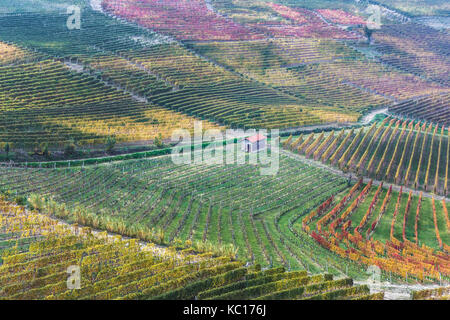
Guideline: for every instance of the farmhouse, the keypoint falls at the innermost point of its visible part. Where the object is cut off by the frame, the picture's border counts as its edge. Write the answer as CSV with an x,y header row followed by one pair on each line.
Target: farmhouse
x,y
254,143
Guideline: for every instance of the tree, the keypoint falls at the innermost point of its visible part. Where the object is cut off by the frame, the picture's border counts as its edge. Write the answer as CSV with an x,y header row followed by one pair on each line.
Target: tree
x,y
69,149
110,143
20,200
7,147
159,141
368,33
44,149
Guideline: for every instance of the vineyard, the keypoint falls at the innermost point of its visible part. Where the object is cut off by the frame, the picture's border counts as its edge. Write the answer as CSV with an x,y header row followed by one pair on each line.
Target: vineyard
x,y
149,83
432,108
341,17
220,204
302,23
319,71
212,92
414,8
279,20
126,68
297,67
196,21
415,49
47,102
89,114
39,254
398,232
410,153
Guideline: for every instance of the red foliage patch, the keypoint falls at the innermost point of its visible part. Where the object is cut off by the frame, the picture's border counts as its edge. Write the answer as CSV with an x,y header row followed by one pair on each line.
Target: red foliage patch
x,y
341,17
183,19
305,24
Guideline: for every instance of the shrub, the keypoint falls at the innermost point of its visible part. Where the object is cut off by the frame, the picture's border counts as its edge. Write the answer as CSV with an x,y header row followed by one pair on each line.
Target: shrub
x,y
110,143
69,148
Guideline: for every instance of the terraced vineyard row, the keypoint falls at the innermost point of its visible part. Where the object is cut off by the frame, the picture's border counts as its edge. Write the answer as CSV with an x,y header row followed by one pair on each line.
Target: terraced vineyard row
x,y
125,74
38,252
416,49
297,67
45,102
143,225
239,105
62,104
99,34
222,204
432,108
196,21
303,23
183,19
214,93
179,66
11,55
275,19
152,68
393,150
341,17
319,72
416,8
399,233
381,79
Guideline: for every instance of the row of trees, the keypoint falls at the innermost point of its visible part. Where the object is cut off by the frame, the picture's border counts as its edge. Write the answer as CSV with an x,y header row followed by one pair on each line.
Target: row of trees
x,y
70,148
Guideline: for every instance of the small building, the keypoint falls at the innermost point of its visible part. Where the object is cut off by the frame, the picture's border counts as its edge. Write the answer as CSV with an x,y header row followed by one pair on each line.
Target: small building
x,y
254,143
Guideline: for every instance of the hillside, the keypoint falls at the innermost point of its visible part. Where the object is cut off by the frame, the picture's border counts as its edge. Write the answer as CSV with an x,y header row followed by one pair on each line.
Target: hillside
x,y
224,150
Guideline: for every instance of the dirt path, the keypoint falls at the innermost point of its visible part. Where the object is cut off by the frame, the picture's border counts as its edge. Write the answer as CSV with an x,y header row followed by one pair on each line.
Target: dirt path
x,y
371,115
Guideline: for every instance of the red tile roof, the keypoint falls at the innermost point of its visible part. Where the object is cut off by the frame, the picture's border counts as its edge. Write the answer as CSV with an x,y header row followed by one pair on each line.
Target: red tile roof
x,y
256,138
